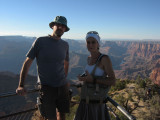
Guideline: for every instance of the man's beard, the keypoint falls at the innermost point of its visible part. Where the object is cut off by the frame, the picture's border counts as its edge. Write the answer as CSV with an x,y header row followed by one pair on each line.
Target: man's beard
x,y
59,33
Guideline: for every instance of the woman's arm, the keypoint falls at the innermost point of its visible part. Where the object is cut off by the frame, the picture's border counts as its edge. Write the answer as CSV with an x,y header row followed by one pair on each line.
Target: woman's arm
x,y
105,80
107,67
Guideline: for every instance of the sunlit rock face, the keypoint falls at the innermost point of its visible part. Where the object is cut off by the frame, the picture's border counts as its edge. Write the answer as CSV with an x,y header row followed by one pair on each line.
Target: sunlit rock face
x,y
155,74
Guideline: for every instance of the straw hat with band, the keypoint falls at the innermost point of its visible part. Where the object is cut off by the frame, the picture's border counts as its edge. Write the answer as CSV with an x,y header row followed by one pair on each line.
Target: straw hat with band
x,y
60,20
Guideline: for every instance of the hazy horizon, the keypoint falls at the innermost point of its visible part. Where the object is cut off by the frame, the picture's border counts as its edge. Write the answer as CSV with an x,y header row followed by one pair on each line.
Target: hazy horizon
x,y
104,39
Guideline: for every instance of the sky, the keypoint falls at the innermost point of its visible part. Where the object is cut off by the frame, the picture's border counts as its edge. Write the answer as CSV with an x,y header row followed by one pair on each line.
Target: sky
x,y
112,19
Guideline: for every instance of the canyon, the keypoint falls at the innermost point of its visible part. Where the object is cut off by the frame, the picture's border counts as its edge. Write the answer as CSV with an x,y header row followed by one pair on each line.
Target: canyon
x,y
130,58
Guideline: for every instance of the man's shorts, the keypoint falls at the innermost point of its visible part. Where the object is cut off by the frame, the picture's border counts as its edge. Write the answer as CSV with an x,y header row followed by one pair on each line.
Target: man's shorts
x,y
52,98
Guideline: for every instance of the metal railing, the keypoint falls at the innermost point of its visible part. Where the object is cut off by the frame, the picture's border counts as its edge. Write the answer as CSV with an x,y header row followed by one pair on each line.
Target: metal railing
x,y
18,116
3,95
130,117
22,115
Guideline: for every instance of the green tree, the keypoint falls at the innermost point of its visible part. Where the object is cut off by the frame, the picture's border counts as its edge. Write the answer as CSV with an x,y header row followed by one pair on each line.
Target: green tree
x,y
120,84
142,83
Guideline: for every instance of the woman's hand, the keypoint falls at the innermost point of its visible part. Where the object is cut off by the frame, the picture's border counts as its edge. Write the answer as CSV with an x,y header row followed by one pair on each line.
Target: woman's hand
x,y
81,78
87,78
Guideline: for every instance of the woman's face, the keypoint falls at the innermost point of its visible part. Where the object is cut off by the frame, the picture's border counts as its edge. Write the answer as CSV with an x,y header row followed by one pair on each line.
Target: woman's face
x,y
92,44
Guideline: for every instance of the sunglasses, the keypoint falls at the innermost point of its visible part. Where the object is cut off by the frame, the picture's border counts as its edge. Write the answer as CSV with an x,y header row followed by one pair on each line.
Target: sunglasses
x,y
93,32
91,42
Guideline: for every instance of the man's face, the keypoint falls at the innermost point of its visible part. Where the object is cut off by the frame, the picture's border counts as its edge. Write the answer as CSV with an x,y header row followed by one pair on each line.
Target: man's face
x,y
58,29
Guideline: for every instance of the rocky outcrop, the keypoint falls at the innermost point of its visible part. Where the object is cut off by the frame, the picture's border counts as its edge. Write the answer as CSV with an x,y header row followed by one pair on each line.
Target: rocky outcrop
x,y
155,74
147,50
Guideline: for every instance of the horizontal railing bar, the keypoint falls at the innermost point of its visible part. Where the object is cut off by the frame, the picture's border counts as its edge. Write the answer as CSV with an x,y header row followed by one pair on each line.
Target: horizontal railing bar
x,y
14,93
3,95
13,114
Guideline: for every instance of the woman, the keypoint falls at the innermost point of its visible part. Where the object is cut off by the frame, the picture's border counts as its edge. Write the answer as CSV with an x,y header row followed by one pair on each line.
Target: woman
x,y
95,111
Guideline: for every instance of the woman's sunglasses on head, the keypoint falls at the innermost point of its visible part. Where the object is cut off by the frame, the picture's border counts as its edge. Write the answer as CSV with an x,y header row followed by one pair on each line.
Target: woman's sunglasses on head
x,y
93,32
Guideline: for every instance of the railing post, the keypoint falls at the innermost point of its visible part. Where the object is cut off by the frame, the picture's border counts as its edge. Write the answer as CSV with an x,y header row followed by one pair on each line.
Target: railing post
x,y
121,109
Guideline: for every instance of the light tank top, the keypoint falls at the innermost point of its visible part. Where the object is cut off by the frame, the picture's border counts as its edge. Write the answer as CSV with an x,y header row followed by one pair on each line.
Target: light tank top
x,y
98,71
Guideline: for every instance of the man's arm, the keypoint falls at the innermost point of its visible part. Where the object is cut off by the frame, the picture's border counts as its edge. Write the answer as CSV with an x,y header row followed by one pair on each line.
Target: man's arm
x,y
24,71
66,66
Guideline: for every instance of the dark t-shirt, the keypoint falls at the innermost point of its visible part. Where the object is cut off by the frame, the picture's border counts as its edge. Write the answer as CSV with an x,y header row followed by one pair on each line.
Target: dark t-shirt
x,y
50,55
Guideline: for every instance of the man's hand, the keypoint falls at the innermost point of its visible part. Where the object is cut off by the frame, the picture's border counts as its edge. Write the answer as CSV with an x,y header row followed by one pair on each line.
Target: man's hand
x,y
21,91
25,68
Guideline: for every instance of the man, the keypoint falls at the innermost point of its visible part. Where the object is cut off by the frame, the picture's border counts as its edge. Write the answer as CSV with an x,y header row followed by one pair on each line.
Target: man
x,y
52,57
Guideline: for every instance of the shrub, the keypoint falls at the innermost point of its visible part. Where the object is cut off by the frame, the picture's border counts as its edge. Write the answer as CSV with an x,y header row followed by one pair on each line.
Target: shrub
x,y
119,85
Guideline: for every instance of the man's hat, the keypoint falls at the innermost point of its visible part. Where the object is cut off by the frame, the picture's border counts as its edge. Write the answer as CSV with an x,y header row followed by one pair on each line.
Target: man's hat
x,y
60,20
